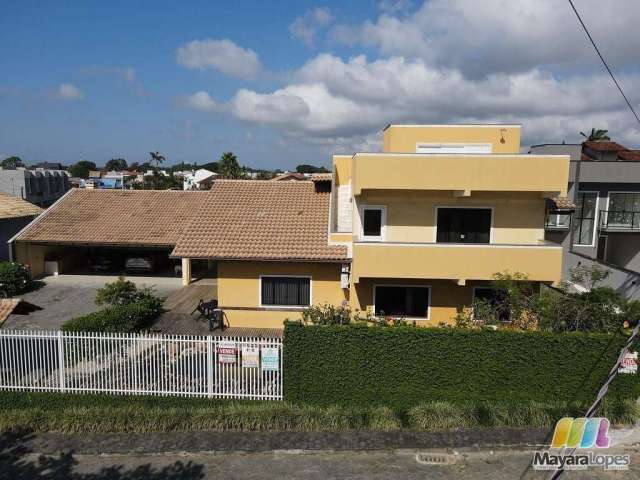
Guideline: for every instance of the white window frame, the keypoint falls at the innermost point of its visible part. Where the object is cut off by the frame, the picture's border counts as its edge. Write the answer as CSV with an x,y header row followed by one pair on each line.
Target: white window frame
x,y
595,219
486,148
428,287
285,275
466,207
383,223
556,226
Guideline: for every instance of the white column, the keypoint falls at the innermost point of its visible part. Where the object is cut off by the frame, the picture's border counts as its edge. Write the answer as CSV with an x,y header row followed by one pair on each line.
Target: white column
x,y
186,271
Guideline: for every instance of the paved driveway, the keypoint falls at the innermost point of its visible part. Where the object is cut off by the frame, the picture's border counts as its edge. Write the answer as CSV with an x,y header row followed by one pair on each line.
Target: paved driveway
x,y
62,297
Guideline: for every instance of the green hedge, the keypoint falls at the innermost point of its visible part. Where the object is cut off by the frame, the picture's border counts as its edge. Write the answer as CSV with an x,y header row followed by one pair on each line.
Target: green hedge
x,y
121,318
403,366
14,278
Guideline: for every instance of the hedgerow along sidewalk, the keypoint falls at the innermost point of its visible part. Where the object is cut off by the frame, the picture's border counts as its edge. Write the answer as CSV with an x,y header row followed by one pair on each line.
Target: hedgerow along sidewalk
x,y
402,366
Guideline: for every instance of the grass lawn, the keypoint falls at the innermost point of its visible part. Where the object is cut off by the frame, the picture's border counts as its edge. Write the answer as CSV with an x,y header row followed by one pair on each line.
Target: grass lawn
x,y
67,413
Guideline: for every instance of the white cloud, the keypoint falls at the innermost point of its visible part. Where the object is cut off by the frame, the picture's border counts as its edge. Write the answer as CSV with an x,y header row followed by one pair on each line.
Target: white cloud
x,y
342,103
479,38
222,55
306,27
67,91
395,6
203,101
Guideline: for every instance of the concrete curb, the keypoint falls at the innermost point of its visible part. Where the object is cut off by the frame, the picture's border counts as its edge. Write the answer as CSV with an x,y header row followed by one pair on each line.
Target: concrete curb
x,y
179,442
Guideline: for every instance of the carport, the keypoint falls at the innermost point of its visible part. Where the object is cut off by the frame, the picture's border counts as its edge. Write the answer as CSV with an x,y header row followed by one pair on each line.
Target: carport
x,y
108,231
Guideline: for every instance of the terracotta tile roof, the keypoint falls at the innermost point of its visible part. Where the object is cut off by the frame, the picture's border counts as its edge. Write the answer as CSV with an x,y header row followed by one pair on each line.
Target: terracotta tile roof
x,y
560,203
114,217
289,176
13,207
604,146
321,177
261,220
7,305
630,155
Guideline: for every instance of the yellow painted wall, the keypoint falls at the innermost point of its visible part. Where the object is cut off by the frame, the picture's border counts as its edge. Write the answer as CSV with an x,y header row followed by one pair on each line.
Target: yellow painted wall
x,y
497,173
403,138
447,298
34,255
342,169
451,261
518,218
239,284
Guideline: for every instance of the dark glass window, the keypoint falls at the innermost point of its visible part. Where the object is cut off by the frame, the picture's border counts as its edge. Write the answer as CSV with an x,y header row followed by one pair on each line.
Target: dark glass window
x,y
464,225
288,291
402,301
584,225
372,222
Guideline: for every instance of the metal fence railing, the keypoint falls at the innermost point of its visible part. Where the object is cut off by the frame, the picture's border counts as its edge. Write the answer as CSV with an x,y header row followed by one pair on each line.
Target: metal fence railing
x,y
183,365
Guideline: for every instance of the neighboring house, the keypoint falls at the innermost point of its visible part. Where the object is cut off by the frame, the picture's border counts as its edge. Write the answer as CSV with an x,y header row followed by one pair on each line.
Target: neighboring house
x,y
604,183
40,187
49,166
15,214
290,176
201,179
416,231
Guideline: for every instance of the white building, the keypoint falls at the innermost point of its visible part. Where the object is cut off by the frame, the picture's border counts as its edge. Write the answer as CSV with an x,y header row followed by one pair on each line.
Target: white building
x,y
201,179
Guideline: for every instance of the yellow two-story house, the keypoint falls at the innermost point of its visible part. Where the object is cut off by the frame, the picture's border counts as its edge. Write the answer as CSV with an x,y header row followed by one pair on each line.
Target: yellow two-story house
x,y
431,219
415,231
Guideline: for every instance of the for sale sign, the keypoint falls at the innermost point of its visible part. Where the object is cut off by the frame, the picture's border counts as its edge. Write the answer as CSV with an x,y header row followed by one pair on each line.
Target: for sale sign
x,y
250,357
227,352
629,363
270,359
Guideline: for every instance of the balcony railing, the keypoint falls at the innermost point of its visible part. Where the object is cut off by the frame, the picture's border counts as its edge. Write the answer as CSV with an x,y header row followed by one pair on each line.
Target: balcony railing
x,y
625,220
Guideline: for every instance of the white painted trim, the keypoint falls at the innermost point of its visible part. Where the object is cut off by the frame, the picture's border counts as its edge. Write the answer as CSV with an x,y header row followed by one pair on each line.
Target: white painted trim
x,y
284,276
383,223
458,245
453,144
435,221
428,287
595,219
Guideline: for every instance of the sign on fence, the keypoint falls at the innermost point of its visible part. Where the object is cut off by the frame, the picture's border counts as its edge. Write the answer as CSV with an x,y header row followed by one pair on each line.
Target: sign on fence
x,y
629,363
250,357
141,364
270,360
227,352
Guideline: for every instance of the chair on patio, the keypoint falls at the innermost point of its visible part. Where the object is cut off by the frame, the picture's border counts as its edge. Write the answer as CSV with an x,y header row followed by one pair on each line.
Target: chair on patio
x,y
210,311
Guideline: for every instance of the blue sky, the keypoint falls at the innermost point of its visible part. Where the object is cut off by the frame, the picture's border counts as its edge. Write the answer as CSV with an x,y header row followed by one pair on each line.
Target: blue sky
x,y
283,83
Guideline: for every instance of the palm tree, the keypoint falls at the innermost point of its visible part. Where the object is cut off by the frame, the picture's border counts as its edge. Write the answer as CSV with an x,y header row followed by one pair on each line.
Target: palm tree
x,y
598,135
228,166
158,159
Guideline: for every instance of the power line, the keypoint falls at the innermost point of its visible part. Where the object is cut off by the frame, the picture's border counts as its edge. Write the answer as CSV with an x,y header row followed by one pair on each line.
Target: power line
x,y
604,62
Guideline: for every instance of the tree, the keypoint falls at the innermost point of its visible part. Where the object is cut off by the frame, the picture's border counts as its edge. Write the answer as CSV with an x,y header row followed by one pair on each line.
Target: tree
x,y
304,168
12,162
228,166
81,169
597,135
157,159
117,164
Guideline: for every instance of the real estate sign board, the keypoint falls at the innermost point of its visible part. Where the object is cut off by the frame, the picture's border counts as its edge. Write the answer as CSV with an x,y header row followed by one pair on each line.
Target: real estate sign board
x,y
227,352
250,357
270,359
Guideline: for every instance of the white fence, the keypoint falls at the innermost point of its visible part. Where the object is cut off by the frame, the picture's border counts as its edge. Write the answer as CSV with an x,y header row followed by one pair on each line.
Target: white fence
x,y
184,365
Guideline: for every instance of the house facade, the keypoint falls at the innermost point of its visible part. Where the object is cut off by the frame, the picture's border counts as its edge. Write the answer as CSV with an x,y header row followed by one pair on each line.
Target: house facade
x,y
15,214
416,231
39,186
604,184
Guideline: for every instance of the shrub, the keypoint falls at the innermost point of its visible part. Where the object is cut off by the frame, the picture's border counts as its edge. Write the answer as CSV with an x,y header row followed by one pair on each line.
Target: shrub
x,y
121,292
399,367
326,314
132,317
14,278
